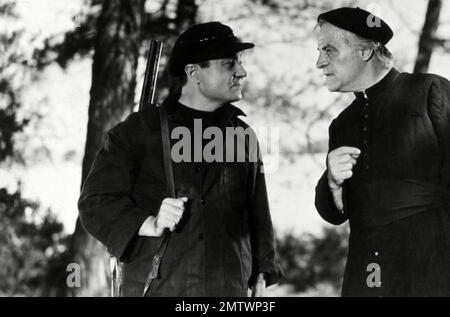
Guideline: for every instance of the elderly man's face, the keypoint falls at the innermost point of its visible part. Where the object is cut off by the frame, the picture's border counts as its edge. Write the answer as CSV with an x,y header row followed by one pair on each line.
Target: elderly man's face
x,y
222,81
339,61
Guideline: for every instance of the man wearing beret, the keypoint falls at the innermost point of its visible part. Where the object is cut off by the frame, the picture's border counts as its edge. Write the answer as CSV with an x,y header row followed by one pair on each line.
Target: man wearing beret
x,y
388,166
222,240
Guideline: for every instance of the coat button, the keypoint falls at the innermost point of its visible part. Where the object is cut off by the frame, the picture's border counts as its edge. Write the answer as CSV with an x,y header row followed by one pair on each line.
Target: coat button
x,y
365,142
203,202
366,116
365,129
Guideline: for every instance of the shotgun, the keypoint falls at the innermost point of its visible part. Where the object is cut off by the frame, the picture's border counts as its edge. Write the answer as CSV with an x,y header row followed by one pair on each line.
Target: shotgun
x,y
147,98
151,74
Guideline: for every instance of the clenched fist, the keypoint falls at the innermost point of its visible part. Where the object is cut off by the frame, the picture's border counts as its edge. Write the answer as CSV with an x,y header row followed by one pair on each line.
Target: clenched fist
x,y
340,163
169,215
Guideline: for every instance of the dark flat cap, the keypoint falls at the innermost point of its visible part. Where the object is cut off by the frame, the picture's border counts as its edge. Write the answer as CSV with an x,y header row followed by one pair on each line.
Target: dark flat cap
x,y
359,22
204,42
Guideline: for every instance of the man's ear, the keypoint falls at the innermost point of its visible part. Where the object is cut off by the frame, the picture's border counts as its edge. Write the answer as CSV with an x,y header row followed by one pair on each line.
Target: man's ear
x,y
192,74
366,54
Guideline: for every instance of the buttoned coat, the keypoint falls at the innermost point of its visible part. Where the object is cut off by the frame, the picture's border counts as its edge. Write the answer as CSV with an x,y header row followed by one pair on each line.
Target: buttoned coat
x,y
225,238
398,199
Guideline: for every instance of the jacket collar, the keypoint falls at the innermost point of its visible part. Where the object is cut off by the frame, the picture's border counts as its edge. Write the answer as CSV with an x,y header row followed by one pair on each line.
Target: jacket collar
x,y
228,113
380,86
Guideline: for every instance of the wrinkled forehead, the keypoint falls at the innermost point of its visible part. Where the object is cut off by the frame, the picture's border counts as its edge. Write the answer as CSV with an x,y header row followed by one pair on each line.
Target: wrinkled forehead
x,y
328,34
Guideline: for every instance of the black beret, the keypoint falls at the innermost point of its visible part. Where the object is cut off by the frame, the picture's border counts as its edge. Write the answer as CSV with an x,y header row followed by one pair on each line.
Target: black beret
x,y
359,22
204,42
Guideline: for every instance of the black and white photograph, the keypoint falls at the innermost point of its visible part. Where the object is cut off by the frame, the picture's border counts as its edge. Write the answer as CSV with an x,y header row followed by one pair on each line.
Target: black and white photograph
x,y
224,153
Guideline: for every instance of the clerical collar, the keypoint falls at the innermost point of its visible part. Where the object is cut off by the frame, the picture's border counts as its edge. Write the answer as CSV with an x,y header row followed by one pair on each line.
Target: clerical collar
x,y
380,86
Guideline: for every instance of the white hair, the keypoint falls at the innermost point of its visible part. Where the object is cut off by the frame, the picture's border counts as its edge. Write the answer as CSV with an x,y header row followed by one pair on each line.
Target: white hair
x,y
381,52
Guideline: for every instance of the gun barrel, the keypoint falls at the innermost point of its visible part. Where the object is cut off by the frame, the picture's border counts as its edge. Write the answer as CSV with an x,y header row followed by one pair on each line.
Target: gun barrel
x,y
151,74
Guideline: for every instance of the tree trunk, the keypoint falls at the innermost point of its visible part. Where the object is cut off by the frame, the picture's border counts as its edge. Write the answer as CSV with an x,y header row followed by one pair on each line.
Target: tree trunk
x,y
427,39
186,14
111,97
185,17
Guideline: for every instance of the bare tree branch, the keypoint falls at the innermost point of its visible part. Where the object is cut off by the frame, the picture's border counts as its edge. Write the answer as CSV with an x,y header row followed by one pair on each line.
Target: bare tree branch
x,y
426,42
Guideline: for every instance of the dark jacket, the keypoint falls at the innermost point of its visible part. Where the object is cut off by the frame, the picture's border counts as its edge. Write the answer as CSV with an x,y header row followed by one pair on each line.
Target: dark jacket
x,y
398,200
225,238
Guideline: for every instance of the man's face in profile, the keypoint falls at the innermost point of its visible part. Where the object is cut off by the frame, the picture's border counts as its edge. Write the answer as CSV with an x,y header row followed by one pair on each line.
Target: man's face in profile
x,y
338,59
222,80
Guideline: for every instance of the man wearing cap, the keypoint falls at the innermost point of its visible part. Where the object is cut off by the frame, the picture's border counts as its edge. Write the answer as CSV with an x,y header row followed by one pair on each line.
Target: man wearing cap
x,y
222,240
388,166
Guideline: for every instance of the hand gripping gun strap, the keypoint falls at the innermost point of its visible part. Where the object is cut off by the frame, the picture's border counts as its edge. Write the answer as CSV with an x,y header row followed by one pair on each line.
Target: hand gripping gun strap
x,y
165,136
